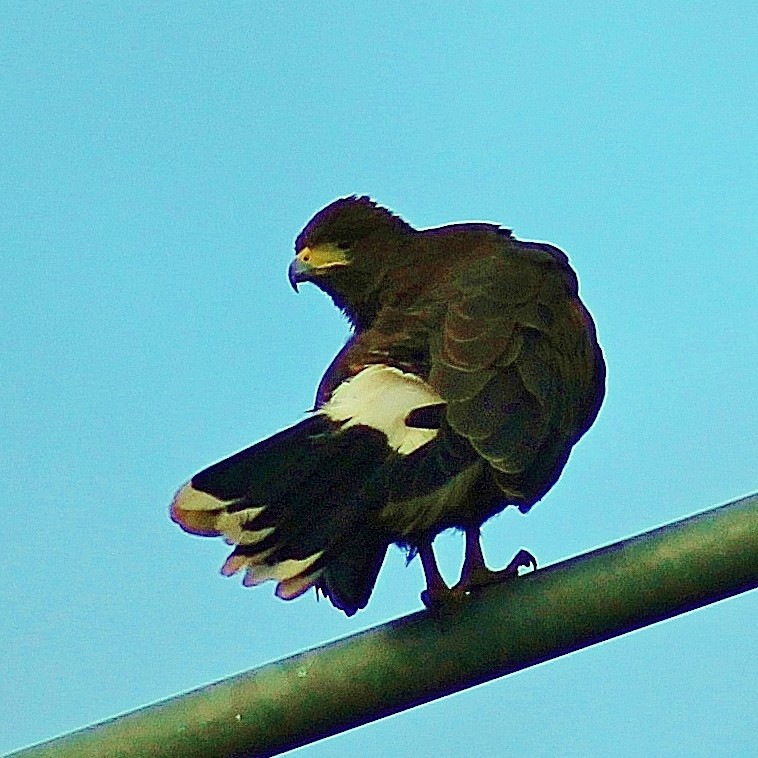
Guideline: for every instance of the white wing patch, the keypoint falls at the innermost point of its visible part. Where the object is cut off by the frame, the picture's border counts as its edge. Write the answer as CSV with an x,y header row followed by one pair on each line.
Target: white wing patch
x,y
381,397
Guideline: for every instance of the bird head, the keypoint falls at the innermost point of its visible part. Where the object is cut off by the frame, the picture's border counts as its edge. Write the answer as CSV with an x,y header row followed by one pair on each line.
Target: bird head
x,y
345,250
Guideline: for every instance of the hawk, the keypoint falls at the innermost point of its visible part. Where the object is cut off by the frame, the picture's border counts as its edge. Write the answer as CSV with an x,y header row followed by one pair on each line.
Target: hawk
x,y
472,371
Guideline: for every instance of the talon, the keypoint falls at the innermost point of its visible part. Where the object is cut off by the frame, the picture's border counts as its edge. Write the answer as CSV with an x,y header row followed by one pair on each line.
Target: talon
x,y
481,576
523,559
447,599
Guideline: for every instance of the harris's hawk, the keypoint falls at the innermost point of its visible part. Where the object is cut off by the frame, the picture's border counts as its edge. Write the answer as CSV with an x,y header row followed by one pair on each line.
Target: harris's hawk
x,y
472,371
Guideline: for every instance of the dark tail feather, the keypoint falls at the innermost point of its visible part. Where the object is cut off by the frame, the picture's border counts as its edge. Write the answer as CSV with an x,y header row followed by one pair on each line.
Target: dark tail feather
x,y
300,507
349,577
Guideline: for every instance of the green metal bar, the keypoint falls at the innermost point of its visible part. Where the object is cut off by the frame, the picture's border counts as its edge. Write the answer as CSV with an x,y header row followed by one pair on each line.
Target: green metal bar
x,y
427,655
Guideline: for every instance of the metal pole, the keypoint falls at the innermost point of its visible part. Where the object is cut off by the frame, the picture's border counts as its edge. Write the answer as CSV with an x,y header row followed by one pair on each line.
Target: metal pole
x,y
427,655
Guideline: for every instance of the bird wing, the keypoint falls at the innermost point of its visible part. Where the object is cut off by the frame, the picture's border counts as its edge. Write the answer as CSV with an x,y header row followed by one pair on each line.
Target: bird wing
x,y
517,361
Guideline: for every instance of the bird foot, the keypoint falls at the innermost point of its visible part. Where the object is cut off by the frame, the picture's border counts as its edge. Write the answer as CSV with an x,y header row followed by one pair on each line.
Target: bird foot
x,y
440,596
481,576
444,598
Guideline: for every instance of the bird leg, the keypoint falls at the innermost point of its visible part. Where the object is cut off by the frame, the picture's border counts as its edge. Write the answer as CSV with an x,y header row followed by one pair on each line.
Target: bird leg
x,y
436,591
475,572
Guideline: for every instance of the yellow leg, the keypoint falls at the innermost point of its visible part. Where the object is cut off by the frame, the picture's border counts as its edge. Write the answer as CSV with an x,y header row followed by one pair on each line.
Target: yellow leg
x,y
475,572
436,589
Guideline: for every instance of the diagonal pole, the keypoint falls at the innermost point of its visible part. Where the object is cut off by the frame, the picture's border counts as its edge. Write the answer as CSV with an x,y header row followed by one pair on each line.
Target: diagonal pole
x,y
424,656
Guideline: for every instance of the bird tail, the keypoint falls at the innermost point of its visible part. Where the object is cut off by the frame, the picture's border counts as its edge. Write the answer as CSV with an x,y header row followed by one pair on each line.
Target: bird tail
x,y
300,508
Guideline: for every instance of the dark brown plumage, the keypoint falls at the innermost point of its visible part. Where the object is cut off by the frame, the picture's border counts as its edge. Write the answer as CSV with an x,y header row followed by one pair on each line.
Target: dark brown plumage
x,y
472,371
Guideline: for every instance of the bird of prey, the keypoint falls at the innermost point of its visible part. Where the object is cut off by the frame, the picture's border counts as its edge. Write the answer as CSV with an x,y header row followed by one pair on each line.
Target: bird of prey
x,y
472,370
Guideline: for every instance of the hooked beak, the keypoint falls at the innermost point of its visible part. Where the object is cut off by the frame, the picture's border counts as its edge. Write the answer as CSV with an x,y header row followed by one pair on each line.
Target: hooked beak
x,y
298,272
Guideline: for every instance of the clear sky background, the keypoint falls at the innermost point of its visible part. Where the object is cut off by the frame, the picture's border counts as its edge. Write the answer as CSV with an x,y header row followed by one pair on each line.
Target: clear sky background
x,y
157,161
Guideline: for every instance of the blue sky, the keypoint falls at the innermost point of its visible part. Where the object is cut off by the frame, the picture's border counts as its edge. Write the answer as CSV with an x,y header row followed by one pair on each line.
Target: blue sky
x,y
157,162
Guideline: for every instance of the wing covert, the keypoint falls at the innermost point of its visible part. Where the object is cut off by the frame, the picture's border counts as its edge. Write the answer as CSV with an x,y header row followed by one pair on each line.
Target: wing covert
x,y
518,363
